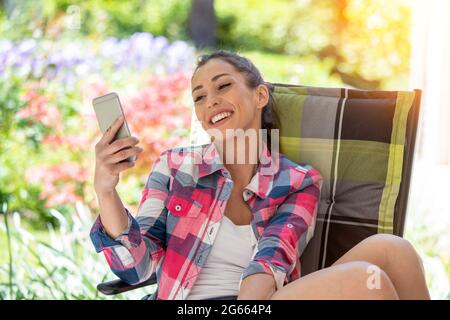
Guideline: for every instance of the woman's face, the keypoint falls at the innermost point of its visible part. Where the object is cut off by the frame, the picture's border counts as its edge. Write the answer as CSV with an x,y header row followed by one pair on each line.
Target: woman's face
x,y
223,100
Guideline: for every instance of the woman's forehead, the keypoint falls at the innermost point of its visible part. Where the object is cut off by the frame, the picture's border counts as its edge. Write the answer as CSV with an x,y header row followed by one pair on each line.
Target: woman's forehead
x,y
211,69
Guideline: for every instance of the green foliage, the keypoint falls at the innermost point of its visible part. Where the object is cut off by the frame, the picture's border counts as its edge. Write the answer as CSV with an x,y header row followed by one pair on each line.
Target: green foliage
x,y
432,242
97,18
59,265
48,125
375,41
305,70
16,191
366,41
285,26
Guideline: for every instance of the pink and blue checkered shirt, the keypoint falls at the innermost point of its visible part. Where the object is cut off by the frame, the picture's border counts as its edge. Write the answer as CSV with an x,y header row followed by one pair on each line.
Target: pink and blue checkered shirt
x,y
182,207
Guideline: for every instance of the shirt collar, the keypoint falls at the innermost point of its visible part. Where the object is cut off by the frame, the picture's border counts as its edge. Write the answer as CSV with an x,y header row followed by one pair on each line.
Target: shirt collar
x,y
261,182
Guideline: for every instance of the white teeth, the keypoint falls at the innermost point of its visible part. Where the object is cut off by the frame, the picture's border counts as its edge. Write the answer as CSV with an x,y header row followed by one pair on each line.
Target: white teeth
x,y
220,116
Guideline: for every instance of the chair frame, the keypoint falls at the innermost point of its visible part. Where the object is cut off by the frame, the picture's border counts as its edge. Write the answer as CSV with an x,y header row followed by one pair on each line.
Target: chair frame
x,y
408,158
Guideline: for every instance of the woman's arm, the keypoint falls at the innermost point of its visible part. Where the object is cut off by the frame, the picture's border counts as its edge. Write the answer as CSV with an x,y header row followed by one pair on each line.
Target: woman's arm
x,y
258,286
116,220
286,234
134,254
107,168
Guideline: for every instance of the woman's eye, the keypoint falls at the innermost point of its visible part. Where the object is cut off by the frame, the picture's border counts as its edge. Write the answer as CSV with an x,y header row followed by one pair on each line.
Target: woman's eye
x,y
220,88
198,98
224,85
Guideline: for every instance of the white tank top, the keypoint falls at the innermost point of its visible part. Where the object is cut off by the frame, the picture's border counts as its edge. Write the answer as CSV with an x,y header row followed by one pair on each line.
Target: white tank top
x,y
230,254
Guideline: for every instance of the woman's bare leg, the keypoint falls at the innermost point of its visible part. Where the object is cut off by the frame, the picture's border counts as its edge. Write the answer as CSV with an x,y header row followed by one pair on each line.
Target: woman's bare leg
x,y
398,258
344,281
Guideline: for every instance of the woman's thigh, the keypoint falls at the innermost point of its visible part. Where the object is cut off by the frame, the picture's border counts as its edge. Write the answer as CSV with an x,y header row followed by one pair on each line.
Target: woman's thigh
x,y
375,249
349,280
395,256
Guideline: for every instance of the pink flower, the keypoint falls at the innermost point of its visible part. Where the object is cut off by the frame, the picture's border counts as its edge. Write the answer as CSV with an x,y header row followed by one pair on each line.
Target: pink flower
x,y
74,142
92,90
38,109
59,182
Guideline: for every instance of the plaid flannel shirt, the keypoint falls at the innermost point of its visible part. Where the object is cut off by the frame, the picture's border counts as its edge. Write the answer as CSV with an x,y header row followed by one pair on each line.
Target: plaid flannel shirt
x,y
182,207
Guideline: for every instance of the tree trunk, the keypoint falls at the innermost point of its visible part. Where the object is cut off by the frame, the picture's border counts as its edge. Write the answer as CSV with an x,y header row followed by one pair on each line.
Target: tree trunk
x,y
202,23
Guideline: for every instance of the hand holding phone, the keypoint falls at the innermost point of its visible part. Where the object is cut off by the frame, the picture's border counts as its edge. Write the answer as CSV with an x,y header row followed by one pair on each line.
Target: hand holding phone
x,y
108,109
116,150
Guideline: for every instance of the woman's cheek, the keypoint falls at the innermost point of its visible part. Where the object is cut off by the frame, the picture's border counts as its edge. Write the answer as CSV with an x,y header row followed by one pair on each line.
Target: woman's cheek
x,y
198,114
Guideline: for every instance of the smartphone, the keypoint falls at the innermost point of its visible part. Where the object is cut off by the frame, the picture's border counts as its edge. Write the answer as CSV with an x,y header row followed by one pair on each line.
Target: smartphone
x,y
107,109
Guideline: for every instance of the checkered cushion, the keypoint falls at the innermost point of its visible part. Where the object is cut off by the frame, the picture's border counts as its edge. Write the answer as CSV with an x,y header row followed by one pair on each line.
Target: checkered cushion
x,y
356,139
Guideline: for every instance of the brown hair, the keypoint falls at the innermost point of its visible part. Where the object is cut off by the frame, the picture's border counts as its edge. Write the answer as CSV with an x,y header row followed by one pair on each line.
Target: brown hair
x,y
269,119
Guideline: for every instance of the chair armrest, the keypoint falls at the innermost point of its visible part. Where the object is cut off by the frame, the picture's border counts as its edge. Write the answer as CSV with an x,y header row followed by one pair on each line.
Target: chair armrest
x,y
119,286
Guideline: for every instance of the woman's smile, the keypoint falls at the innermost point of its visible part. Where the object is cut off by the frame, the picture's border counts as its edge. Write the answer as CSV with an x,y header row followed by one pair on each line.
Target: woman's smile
x,y
220,118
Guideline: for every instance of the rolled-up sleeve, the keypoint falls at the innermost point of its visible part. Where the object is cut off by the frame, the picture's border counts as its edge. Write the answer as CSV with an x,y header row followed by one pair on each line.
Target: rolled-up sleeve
x,y
288,232
135,254
130,237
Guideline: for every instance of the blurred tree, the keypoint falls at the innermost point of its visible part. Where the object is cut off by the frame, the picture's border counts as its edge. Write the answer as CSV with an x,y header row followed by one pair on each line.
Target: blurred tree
x,y
202,23
6,5
367,41
371,44
342,24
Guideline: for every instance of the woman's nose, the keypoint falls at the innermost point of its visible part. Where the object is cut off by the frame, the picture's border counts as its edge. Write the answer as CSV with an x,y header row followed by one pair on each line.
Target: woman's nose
x,y
212,102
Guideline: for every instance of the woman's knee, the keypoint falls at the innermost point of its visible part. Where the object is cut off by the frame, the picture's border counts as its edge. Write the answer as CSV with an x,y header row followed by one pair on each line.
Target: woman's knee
x,y
394,247
391,241
369,281
379,284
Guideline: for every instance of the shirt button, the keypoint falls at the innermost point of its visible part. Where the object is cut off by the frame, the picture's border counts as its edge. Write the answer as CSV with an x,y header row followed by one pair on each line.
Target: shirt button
x,y
290,225
177,207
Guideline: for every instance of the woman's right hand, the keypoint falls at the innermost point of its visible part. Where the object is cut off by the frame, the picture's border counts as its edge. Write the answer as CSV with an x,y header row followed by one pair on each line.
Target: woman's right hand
x,y
108,156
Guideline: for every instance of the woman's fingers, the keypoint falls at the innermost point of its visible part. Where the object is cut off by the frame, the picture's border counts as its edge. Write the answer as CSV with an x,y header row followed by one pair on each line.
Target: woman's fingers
x,y
123,154
119,167
112,130
121,144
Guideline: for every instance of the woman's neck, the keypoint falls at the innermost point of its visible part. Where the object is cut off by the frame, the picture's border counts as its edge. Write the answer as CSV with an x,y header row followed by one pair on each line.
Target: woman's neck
x,y
240,159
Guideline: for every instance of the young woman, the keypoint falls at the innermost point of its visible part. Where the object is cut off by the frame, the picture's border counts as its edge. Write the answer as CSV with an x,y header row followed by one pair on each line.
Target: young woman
x,y
230,219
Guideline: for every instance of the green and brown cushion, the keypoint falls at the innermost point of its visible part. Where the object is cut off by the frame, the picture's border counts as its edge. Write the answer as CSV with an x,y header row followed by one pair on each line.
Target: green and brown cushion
x,y
362,142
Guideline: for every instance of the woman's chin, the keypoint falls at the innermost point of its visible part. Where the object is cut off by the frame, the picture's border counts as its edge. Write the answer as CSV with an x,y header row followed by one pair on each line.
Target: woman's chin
x,y
224,130
222,133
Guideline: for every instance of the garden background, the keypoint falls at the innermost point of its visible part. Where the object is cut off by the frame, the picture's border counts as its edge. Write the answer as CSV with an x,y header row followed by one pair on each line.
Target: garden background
x,y
57,55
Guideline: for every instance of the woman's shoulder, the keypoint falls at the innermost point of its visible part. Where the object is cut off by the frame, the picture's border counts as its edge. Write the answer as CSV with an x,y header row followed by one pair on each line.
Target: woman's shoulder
x,y
288,164
182,157
302,173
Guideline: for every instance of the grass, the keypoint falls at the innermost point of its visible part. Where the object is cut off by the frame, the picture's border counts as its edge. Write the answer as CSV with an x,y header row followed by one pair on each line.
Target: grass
x,y
40,235
58,264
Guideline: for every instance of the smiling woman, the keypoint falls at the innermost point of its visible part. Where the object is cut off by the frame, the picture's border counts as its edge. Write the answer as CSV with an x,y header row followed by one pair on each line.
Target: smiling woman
x,y
234,85
223,229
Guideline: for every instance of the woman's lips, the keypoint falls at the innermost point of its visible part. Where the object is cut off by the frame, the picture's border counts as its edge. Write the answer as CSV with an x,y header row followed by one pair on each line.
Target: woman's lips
x,y
221,122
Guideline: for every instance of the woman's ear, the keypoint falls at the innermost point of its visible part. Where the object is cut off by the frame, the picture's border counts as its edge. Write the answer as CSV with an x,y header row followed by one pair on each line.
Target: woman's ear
x,y
262,96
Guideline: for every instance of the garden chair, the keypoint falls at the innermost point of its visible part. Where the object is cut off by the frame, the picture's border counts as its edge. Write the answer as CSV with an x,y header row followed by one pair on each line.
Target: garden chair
x,y
362,142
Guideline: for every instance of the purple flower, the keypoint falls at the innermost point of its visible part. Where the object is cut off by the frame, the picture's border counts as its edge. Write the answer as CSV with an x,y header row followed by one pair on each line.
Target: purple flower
x,y
71,62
